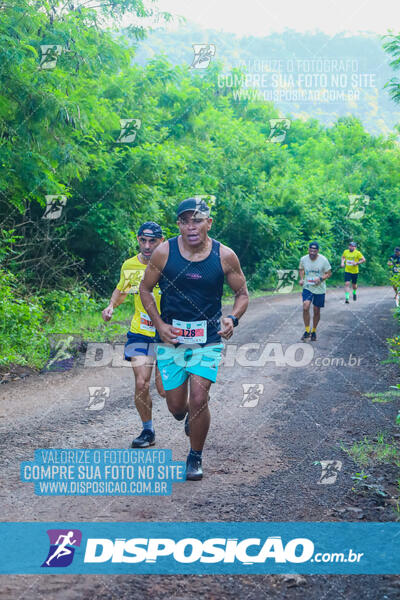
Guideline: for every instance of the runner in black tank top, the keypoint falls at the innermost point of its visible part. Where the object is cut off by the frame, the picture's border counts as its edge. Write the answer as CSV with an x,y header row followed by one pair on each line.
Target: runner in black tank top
x,y
190,270
192,291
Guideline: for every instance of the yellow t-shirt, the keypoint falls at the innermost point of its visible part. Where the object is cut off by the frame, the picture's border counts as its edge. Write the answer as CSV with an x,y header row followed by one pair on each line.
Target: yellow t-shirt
x,y
132,272
350,258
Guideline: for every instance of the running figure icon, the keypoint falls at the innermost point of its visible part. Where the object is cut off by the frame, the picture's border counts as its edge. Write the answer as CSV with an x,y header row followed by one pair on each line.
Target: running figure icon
x,y
62,549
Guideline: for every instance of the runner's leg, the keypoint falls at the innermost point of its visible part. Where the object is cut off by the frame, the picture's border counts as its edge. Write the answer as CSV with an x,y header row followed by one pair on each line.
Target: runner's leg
x,y
347,289
199,414
316,317
306,314
142,368
142,371
177,400
159,383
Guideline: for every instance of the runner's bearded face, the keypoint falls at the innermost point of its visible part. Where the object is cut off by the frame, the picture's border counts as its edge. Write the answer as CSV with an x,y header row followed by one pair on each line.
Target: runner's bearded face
x,y
312,252
194,227
147,245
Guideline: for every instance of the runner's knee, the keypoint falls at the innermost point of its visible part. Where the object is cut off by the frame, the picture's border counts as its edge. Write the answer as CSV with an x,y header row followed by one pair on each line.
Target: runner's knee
x,y
142,384
198,400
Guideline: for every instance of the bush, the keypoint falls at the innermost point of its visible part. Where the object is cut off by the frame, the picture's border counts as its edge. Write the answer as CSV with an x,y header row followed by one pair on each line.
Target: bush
x,y
22,339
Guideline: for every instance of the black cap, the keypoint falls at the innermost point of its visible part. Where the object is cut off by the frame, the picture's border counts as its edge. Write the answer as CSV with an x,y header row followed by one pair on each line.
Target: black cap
x,y
197,204
153,227
313,245
397,249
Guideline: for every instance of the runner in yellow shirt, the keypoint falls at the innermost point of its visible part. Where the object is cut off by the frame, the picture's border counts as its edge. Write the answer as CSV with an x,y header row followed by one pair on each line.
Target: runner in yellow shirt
x,y
351,258
140,347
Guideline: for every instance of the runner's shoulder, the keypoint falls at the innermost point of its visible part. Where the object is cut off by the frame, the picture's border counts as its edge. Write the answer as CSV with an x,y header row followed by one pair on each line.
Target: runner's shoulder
x,y
227,253
229,258
160,254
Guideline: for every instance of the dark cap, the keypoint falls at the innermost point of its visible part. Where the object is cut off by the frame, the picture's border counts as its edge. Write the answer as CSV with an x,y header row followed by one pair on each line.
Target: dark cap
x,y
313,245
197,204
153,227
397,249
353,244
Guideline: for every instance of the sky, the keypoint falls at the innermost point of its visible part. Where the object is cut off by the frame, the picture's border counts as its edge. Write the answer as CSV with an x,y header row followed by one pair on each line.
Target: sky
x,y
262,17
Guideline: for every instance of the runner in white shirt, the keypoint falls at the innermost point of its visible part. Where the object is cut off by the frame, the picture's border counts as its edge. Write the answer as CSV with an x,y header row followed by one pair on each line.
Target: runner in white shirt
x,y
314,270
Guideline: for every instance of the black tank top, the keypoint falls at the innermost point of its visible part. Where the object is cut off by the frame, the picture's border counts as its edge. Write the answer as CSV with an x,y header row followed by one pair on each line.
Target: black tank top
x,y
192,291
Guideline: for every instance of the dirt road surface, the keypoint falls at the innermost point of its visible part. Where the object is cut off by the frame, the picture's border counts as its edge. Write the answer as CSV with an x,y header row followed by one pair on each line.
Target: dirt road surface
x,y
259,461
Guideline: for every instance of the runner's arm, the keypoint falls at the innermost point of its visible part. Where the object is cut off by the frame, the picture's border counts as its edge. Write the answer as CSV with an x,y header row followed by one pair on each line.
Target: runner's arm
x,y
360,261
301,274
326,275
151,277
117,298
342,262
237,282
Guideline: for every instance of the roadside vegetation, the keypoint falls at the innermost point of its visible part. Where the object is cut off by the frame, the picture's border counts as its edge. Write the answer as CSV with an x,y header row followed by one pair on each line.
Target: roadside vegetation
x,y
62,137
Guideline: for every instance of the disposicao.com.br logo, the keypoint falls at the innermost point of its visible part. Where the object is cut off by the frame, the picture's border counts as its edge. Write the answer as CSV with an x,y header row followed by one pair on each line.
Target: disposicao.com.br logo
x,y
62,547
247,551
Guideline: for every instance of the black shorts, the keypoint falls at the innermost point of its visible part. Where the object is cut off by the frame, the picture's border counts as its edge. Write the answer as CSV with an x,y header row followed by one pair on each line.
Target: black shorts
x,y
350,277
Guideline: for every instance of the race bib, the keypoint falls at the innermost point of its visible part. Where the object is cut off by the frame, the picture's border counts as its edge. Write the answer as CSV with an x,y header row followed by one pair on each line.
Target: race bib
x,y
146,323
311,280
191,332
350,262
395,269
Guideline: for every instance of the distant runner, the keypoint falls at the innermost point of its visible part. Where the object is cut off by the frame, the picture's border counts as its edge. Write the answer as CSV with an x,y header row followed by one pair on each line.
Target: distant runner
x,y
394,264
314,270
190,269
351,258
139,348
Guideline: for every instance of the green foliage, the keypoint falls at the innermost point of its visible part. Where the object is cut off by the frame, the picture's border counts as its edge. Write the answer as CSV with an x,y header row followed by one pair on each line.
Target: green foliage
x,y
21,339
59,131
367,452
60,134
74,302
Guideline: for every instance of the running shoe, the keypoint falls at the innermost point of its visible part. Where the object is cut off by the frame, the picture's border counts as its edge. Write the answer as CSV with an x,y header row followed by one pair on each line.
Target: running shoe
x,y
194,472
354,297
187,427
346,301
305,336
146,438
313,336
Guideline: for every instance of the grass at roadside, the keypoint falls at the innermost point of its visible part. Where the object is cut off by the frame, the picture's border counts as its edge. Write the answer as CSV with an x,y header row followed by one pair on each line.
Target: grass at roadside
x,y
378,455
380,450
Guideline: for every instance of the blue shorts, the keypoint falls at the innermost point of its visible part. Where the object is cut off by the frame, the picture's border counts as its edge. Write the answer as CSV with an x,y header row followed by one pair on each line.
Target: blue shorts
x,y
139,345
177,363
316,299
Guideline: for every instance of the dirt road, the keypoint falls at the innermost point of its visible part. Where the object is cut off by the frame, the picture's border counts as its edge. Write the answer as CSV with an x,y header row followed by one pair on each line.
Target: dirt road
x,y
260,457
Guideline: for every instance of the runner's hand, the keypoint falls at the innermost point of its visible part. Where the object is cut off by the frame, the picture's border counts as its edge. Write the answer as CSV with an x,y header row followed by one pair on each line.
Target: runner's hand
x,y
168,333
107,313
301,282
227,328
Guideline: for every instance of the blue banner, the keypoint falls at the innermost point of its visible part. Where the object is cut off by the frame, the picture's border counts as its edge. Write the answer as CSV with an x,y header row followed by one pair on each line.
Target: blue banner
x,y
200,548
